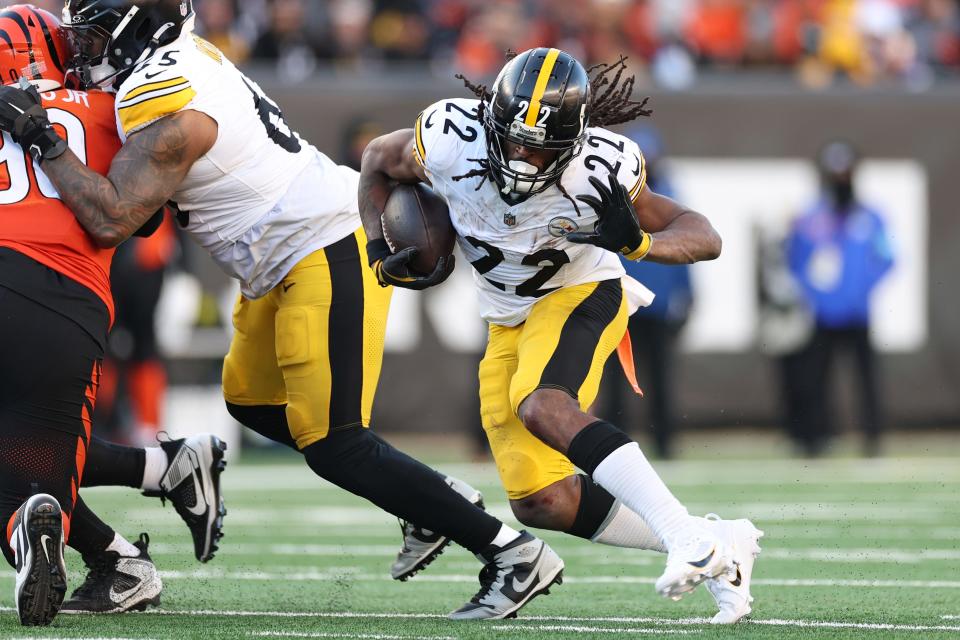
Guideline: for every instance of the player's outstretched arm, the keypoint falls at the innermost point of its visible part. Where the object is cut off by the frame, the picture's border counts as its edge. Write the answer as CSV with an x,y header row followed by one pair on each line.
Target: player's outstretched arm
x,y
680,235
143,176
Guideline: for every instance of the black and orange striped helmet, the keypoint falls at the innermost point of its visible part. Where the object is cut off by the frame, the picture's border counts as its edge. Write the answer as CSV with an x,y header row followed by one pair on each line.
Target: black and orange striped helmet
x,y
32,46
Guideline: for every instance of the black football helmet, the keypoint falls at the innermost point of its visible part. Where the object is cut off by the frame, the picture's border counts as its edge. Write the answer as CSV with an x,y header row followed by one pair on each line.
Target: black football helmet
x,y
540,100
109,37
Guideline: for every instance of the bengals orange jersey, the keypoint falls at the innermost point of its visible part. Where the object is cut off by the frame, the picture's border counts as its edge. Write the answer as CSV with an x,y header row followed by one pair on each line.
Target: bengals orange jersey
x,y
33,219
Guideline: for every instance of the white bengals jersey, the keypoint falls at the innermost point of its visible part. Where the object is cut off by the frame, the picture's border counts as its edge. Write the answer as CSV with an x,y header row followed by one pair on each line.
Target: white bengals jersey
x,y
262,198
519,252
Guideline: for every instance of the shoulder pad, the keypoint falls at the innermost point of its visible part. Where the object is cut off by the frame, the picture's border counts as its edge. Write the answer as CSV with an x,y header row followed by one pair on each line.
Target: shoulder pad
x,y
156,89
605,152
442,132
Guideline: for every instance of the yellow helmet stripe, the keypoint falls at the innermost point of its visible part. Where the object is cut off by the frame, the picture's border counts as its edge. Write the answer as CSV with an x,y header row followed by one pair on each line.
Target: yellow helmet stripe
x,y
534,111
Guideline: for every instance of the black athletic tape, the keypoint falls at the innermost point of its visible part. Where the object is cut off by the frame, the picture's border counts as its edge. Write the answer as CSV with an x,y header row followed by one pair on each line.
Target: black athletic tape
x,y
594,443
595,505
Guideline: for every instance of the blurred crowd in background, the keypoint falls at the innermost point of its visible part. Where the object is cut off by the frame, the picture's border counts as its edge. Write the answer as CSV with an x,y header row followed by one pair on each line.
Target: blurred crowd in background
x,y
669,42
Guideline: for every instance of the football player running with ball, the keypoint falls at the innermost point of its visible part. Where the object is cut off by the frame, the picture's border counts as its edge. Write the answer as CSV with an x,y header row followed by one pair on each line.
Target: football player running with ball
x,y
282,218
543,200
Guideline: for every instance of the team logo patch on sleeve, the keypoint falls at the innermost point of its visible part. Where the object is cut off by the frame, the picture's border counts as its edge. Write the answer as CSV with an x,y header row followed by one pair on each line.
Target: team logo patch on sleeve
x,y
560,226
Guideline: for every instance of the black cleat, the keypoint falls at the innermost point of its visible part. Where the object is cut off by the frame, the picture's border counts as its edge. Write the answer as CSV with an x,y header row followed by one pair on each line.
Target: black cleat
x,y
37,543
115,584
422,546
192,483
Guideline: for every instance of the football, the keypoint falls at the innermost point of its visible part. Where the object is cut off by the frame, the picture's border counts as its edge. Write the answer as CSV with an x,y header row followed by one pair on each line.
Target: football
x,y
415,216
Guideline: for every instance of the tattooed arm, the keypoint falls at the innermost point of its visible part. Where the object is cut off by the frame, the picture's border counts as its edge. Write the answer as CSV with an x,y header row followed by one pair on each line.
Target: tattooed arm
x,y
144,174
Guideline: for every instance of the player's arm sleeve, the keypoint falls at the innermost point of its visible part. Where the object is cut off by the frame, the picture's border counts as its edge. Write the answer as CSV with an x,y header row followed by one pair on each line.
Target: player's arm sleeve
x,y
142,104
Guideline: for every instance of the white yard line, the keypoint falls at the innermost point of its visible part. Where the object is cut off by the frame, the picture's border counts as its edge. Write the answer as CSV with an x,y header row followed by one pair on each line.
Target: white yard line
x,y
323,634
525,622
513,628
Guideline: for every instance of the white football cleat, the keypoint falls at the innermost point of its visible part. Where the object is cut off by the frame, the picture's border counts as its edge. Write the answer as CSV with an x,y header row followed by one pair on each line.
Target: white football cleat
x,y
695,555
732,590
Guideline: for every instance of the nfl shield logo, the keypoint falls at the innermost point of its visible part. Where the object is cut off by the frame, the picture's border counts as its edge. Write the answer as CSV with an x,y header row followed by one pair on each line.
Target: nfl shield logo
x,y
509,219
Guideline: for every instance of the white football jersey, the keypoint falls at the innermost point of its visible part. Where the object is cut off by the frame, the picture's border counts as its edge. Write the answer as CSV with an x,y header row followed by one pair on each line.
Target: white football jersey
x,y
519,252
262,198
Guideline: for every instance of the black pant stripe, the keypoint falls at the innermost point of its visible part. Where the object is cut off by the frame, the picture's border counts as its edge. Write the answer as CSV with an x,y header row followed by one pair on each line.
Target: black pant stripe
x,y
569,365
345,337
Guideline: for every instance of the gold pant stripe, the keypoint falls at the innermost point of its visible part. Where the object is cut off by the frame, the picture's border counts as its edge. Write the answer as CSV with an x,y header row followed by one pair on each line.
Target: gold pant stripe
x,y
516,363
314,343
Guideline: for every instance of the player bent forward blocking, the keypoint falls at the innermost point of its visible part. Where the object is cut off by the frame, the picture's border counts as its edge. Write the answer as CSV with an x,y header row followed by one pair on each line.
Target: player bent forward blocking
x,y
281,218
543,198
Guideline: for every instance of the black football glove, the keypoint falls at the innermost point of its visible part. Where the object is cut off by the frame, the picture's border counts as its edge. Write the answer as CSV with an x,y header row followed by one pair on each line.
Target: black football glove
x,y
617,228
393,269
25,119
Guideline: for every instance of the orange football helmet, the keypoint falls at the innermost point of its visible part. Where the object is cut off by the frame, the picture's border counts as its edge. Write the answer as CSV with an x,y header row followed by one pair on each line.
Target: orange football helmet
x,y
32,46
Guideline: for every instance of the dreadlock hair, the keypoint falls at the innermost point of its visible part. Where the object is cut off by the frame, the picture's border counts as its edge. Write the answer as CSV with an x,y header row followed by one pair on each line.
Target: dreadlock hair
x,y
610,104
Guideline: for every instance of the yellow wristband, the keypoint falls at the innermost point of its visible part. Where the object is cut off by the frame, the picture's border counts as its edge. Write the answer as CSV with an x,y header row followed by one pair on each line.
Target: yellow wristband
x,y
640,252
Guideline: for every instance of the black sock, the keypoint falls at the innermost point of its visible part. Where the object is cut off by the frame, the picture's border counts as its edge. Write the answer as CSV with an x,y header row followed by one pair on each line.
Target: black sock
x,y
269,420
364,464
88,534
113,465
594,443
594,508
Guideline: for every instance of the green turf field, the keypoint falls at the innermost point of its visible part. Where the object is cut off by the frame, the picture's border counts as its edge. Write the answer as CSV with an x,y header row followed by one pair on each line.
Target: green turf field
x,y
853,549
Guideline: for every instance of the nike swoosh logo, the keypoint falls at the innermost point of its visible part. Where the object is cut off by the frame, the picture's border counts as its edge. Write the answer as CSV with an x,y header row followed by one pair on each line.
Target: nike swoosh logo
x,y
636,171
286,287
700,564
522,586
428,123
139,574
44,539
19,551
737,582
151,76
200,507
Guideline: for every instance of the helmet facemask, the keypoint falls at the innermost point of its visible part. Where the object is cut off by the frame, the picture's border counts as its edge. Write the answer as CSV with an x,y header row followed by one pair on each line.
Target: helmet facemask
x,y
516,178
109,38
